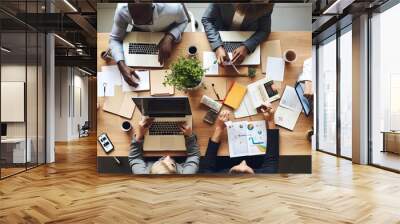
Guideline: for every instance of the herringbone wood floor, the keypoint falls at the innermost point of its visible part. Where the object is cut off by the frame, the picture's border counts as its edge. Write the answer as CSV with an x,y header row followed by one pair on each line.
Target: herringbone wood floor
x,y
70,191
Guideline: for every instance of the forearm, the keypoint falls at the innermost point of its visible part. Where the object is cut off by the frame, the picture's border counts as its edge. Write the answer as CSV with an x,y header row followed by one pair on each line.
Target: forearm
x,y
177,31
216,137
211,23
192,162
261,34
135,157
117,51
271,124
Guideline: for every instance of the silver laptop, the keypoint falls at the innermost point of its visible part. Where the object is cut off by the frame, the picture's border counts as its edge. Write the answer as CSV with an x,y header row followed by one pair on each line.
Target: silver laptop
x,y
233,39
168,112
141,49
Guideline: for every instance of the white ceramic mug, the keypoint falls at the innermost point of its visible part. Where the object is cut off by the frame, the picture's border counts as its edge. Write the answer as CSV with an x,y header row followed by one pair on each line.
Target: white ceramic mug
x,y
290,56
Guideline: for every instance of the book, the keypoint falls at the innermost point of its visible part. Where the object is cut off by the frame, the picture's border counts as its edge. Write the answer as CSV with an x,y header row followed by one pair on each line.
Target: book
x,y
289,109
235,95
157,87
247,138
144,82
257,93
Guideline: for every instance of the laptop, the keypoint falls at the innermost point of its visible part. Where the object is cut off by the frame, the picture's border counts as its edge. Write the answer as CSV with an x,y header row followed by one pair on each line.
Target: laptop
x,y
141,49
168,112
234,39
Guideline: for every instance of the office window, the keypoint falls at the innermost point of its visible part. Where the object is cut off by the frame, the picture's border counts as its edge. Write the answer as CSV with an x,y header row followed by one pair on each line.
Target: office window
x,y
327,96
346,93
385,89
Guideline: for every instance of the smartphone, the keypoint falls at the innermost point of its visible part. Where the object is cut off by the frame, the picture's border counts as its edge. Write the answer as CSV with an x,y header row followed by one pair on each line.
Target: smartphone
x,y
105,143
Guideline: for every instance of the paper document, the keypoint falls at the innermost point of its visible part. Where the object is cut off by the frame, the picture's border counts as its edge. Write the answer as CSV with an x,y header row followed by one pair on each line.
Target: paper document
x,y
210,63
144,82
275,68
289,109
105,87
246,108
270,48
246,138
113,74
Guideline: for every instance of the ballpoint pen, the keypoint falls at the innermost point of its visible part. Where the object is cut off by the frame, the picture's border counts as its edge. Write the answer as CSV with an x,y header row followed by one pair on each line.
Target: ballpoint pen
x,y
215,92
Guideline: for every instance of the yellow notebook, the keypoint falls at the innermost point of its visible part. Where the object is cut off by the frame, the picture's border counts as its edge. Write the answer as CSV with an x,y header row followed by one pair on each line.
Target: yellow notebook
x,y
235,95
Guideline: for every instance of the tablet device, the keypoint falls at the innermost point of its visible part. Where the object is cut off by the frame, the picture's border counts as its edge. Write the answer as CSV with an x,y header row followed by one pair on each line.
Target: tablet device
x,y
305,104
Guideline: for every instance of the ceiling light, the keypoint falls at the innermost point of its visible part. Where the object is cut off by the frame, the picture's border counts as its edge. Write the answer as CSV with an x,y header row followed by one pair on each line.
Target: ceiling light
x,y
5,50
64,40
84,71
70,5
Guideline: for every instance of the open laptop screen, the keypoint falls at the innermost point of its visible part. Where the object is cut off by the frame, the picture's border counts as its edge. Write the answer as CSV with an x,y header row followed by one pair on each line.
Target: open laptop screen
x,y
163,106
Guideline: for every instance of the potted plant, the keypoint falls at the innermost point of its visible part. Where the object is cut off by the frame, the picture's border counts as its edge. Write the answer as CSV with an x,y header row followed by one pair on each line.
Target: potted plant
x,y
186,74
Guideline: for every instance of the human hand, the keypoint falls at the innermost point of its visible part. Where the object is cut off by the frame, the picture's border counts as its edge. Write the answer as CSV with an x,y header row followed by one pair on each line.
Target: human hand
x,y
222,118
239,54
186,129
221,55
144,124
165,48
268,111
128,73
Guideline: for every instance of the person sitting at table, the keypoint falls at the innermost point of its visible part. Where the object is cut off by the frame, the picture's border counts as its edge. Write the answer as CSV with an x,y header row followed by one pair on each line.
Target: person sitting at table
x,y
166,164
150,17
238,17
267,163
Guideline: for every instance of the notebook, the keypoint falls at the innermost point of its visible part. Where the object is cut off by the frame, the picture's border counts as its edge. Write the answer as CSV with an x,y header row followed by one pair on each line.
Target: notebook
x,y
144,82
235,95
246,138
275,68
257,93
270,48
289,109
121,103
157,87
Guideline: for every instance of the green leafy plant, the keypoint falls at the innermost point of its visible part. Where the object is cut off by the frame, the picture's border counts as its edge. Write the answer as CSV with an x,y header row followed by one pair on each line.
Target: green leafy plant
x,y
185,73
252,72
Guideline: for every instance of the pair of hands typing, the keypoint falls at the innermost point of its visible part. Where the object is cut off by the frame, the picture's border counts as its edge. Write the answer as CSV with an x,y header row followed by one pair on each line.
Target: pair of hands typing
x,y
165,49
239,54
145,123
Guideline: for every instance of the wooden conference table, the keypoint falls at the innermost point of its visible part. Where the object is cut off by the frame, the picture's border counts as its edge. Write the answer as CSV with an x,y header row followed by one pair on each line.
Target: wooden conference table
x,y
291,142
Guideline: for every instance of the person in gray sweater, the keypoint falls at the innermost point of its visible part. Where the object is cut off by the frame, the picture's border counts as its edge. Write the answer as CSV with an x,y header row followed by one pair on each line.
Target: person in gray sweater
x,y
237,17
166,164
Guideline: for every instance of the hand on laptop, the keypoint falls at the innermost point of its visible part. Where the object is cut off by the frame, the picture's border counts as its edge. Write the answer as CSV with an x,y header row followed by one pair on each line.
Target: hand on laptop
x,y
239,54
165,48
269,113
144,124
186,129
221,55
128,73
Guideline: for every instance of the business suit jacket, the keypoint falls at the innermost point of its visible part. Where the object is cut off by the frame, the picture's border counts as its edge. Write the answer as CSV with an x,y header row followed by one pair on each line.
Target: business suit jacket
x,y
218,17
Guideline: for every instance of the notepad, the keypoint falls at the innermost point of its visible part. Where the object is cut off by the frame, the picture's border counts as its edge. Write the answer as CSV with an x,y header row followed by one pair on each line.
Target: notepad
x,y
121,103
270,48
144,82
275,68
235,95
289,109
157,87
210,64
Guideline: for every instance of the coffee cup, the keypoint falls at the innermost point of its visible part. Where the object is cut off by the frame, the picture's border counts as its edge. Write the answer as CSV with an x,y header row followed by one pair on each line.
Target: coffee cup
x,y
192,50
126,126
290,56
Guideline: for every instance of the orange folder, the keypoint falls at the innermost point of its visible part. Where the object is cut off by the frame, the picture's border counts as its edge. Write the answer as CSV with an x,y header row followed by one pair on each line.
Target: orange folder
x,y
235,95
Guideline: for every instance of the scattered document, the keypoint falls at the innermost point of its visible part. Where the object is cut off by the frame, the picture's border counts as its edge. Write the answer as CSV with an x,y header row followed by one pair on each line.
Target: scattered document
x,y
144,82
105,86
288,110
210,63
270,48
257,93
113,74
275,68
246,138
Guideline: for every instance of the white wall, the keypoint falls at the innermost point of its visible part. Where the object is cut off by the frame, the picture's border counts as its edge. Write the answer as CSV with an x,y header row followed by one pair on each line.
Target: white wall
x,y
69,82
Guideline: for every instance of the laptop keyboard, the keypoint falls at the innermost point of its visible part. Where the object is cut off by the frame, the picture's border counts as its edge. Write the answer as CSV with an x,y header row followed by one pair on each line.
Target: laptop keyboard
x,y
231,46
135,48
165,128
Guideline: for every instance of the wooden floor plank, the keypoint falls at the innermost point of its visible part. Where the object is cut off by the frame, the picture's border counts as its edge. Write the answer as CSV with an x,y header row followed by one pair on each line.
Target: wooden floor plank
x,y
71,191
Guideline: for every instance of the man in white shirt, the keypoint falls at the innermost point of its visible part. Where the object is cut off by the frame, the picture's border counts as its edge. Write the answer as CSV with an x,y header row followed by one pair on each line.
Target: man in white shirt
x,y
149,17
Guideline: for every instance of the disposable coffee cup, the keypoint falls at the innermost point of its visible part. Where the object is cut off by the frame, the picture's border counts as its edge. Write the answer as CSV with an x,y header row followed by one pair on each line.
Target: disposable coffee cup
x,y
290,56
192,50
126,126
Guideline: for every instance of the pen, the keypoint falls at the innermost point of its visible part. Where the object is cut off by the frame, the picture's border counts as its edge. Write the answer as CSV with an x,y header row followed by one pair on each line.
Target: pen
x,y
215,92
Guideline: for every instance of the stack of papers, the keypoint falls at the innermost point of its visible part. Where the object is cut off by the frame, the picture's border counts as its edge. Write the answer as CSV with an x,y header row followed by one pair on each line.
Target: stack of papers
x,y
110,77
